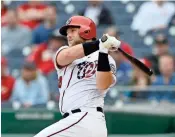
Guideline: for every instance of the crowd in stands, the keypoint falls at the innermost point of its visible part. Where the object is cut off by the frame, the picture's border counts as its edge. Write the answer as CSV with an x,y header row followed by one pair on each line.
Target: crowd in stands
x,y
153,16
14,35
35,24
98,13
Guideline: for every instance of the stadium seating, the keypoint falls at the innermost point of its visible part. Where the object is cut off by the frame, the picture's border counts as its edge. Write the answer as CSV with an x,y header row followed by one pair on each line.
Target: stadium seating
x,y
122,19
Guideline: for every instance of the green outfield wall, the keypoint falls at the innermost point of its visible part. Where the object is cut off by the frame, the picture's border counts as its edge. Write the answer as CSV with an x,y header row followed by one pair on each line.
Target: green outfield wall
x,y
32,121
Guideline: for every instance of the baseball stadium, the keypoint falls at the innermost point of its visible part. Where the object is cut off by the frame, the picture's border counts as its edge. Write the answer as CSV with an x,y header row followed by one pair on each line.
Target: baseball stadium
x,y
112,61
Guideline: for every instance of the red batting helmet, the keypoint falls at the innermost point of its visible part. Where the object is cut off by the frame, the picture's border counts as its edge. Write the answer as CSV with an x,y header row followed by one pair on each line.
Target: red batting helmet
x,y
87,27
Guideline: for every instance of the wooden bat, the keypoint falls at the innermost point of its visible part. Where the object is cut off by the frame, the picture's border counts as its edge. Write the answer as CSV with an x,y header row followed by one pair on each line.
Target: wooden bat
x,y
132,59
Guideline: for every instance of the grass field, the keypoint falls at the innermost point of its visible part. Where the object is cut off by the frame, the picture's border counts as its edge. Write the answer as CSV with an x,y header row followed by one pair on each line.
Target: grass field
x,y
157,135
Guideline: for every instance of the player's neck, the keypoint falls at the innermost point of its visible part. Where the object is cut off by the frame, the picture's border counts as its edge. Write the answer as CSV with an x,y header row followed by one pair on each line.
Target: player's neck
x,y
88,40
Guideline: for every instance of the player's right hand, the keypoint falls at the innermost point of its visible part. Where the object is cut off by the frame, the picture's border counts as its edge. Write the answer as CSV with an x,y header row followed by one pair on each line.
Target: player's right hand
x,y
108,42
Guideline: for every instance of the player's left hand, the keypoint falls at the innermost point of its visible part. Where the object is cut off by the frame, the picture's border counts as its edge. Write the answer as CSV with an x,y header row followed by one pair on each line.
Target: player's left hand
x,y
108,42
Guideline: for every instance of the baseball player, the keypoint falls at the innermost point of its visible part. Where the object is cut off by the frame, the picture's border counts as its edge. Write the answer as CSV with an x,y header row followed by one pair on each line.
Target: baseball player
x,y
86,72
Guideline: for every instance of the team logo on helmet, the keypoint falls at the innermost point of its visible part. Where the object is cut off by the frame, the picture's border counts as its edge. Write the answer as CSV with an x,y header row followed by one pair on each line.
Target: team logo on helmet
x,y
68,21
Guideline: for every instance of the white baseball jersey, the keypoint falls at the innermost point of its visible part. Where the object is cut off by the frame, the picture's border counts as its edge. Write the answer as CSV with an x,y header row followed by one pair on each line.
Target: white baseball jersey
x,y
77,83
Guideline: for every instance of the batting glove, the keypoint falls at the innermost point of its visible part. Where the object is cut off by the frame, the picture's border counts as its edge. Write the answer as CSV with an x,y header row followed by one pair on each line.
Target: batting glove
x,y
107,42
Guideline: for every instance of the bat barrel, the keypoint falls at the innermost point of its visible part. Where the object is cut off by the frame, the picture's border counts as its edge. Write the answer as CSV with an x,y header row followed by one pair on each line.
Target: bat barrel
x,y
136,62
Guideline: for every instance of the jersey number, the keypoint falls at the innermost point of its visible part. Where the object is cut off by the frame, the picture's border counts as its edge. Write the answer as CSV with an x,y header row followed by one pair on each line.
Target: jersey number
x,y
86,69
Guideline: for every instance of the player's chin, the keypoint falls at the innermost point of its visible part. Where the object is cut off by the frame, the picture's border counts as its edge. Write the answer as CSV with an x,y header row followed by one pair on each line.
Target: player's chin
x,y
70,43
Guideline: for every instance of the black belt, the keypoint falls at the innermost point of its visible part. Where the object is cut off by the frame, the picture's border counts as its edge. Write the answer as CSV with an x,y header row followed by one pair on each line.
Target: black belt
x,y
99,109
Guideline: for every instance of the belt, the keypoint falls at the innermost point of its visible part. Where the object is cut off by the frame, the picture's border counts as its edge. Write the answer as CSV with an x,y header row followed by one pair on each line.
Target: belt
x,y
99,109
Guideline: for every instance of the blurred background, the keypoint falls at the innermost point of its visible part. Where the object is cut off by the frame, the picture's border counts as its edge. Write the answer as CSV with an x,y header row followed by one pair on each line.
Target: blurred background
x,y
138,105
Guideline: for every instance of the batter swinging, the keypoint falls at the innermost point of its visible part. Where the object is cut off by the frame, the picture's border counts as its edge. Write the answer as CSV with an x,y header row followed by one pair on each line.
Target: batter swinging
x,y
86,72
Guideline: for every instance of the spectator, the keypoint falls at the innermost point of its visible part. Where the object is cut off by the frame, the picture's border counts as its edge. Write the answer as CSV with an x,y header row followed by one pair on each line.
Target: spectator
x,y
114,31
166,78
124,68
140,80
161,47
172,22
7,81
31,14
42,32
53,83
4,10
14,36
153,15
31,88
98,13
44,53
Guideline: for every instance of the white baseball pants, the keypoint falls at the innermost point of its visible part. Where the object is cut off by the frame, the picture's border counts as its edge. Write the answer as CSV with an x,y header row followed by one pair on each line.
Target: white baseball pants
x,y
82,124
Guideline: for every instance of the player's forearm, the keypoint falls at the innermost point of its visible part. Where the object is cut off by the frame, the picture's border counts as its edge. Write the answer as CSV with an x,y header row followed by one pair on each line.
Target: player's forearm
x,y
70,54
104,75
104,80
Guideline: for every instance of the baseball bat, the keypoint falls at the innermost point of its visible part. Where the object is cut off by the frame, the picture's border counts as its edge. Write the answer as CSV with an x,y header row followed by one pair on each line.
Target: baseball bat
x,y
132,59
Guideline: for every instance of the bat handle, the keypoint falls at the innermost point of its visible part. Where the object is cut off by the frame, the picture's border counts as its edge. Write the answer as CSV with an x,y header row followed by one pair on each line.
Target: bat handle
x,y
104,38
150,72
119,49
